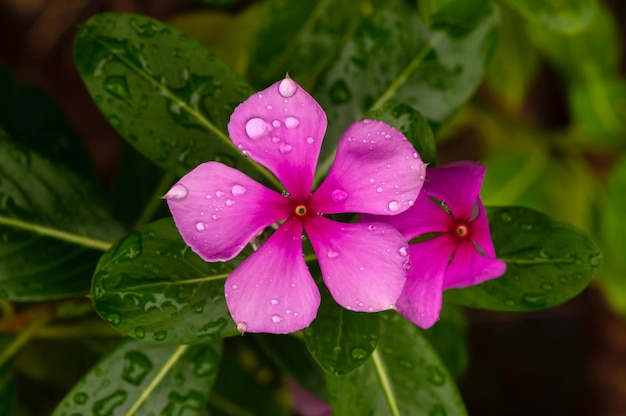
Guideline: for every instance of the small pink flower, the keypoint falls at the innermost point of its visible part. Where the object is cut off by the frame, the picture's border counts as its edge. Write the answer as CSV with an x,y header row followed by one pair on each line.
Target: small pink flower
x,y
218,210
461,254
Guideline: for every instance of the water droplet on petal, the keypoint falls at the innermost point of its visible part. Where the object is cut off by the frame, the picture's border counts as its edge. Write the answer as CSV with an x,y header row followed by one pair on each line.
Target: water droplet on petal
x,y
277,319
310,140
379,189
234,287
242,327
332,254
230,202
291,122
274,301
285,148
403,251
214,216
407,266
256,128
238,190
338,195
372,180
370,309
394,206
287,88
178,192
269,107
415,155
276,123
371,227
200,227
219,194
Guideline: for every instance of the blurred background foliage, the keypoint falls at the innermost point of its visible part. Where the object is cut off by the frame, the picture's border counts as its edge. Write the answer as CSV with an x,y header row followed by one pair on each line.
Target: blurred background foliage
x,y
549,123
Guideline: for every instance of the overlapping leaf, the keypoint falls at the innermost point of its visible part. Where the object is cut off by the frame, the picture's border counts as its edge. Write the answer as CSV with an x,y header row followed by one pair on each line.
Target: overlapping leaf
x,y
146,378
562,16
548,263
151,285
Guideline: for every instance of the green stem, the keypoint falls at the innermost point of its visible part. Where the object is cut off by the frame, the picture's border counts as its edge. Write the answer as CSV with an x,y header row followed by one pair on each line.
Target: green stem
x,y
23,337
381,371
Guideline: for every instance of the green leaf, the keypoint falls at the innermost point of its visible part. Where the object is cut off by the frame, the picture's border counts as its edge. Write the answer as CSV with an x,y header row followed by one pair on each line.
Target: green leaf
x,y
32,119
146,378
404,376
49,219
341,340
301,38
395,56
151,285
548,263
412,124
449,338
569,17
8,390
161,90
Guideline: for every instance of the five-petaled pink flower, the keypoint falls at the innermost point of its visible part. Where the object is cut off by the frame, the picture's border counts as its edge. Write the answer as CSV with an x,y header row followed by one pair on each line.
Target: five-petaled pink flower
x,y
218,210
461,254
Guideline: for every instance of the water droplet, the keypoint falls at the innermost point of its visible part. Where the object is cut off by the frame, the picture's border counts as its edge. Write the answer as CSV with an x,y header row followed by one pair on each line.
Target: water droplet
x,y
269,106
287,88
437,410
159,335
577,276
546,287
291,122
509,302
358,353
407,266
285,148
115,121
256,128
136,367
205,363
274,301
403,251
238,190
200,227
415,155
534,300
140,333
394,206
371,227
379,189
80,398
107,405
230,202
310,140
234,287
332,254
435,376
214,216
526,227
177,192
338,195
563,279
505,217
242,327
277,319
117,86
276,124
406,364
114,319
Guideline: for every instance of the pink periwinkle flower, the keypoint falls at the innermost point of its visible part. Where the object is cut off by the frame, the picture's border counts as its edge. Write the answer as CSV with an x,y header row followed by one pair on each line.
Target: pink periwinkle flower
x,y
218,210
460,255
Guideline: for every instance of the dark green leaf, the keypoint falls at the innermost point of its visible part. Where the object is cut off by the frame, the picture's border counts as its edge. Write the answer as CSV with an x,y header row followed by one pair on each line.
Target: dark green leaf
x,y
569,17
8,391
163,92
49,217
341,340
146,378
151,285
32,119
301,38
403,376
449,338
548,263
291,356
395,56
412,124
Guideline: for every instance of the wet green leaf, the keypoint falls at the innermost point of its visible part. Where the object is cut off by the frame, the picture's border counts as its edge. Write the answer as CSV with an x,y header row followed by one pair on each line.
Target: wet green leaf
x,y
412,124
404,376
393,55
160,89
150,285
49,220
341,340
548,263
450,339
146,378
569,17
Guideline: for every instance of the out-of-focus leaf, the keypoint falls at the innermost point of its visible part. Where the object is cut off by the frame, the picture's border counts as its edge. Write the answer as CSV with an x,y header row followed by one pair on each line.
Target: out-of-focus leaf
x,y
146,378
301,38
292,357
341,340
219,2
8,390
32,119
548,263
569,17
412,124
404,376
161,90
449,338
151,285
394,56
49,219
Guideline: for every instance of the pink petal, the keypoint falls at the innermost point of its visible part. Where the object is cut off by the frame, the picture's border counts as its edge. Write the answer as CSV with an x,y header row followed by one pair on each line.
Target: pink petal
x,y
218,210
282,128
457,184
272,290
304,402
376,171
469,267
363,265
480,231
421,298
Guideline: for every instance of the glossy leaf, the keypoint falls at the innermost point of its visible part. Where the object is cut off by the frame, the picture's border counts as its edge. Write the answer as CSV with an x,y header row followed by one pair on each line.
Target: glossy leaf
x,y
146,378
393,55
404,376
569,17
162,91
548,263
151,285
341,340
49,219
412,124
301,38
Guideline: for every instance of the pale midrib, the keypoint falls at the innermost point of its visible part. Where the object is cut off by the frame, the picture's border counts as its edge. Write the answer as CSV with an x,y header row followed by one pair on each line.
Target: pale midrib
x,y
81,240
537,261
381,371
157,379
183,105
203,279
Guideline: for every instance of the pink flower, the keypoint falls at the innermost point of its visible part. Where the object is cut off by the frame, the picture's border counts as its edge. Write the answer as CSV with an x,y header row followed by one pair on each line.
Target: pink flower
x,y
218,210
460,255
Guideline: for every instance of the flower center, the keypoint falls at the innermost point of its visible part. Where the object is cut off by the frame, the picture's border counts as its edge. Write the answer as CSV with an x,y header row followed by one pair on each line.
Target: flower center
x,y
462,231
300,210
